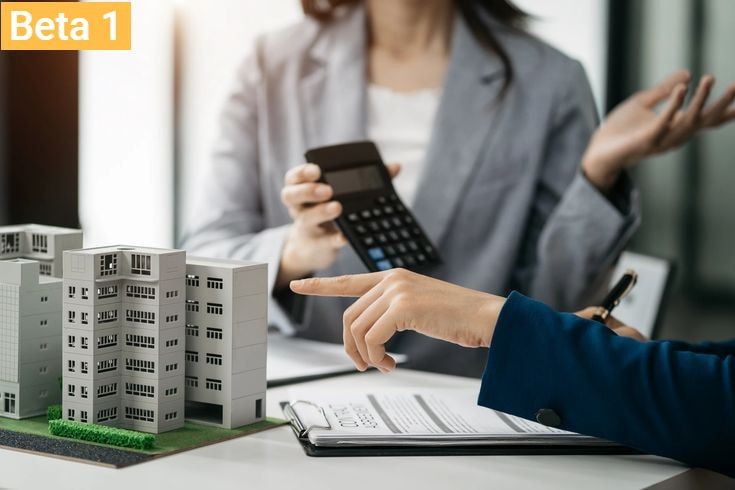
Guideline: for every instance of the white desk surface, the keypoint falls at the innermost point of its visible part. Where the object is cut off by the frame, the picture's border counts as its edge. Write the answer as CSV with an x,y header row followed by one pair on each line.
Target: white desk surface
x,y
274,460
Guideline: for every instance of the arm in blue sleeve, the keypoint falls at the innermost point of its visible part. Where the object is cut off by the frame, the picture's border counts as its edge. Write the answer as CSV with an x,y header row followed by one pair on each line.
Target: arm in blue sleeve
x,y
721,349
648,395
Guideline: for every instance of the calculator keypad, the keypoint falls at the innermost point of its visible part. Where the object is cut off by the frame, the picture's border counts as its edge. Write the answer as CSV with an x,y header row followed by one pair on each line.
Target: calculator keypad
x,y
390,235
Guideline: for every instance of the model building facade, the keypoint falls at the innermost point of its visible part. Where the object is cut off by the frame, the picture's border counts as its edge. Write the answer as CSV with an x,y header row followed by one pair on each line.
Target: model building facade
x,y
123,337
30,339
226,332
46,244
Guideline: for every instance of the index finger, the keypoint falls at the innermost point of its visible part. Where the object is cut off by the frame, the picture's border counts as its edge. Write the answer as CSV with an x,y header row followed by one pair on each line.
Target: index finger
x,y
661,92
307,172
349,286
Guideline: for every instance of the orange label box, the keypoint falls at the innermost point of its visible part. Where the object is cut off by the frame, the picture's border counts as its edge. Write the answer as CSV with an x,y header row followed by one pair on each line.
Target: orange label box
x,y
55,26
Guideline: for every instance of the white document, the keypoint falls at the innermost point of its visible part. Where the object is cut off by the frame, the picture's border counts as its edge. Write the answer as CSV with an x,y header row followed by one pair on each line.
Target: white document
x,y
292,359
413,417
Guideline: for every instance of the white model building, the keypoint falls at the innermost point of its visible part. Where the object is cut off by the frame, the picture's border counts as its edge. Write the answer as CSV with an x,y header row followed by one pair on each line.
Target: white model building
x,y
30,339
46,244
226,335
123,337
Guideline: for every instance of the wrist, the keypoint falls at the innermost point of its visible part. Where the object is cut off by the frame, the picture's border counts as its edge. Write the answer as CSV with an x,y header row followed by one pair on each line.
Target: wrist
x,y
288,266
603,176
488,318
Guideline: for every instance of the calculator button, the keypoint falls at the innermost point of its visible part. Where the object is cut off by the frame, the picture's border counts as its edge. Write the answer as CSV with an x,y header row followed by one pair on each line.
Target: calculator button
x,y
385,224
401,248
368,241
374,226
393,198
352,217
389,250
421,258
416,231
376,253
394,235
365,213
413,245
360,229
405,234
384,265
389,210
382,200
408,219
410,260
398,262
397,221
377,212
400,207
382,239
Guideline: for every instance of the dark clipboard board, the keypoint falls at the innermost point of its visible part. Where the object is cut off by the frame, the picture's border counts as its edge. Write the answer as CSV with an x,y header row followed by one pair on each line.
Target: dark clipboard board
x,y
493,449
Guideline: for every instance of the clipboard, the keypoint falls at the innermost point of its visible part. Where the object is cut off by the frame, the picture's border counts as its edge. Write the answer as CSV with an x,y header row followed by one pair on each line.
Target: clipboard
x,y
496,447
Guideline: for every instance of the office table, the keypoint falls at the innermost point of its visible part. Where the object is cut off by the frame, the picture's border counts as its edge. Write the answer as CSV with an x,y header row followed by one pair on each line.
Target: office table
x,y
274,460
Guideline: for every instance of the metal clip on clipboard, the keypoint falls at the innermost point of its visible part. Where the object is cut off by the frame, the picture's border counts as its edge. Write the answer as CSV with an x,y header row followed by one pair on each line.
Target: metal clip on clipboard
x,y
301,430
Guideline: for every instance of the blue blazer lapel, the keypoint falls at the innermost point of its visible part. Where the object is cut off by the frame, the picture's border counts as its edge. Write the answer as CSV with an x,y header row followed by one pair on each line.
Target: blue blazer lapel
x,y
466,114
332,90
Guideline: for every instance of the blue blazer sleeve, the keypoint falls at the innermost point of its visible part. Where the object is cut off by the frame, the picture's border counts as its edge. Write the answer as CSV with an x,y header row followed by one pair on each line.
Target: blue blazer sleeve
x,y
664,398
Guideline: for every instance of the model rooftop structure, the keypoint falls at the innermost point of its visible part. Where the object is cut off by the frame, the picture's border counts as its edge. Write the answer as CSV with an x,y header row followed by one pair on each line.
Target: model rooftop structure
x,y
123,337
30,339
39,242
226,335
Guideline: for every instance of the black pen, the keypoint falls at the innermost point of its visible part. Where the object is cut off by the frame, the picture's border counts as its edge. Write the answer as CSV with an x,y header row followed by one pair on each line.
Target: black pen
x,y
616,295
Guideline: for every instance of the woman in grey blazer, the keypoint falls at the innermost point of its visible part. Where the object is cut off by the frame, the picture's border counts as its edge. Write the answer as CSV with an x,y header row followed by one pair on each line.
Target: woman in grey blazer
x,y
501,187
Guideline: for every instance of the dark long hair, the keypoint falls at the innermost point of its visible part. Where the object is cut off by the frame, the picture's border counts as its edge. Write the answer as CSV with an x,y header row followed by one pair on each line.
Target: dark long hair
x,y
474,12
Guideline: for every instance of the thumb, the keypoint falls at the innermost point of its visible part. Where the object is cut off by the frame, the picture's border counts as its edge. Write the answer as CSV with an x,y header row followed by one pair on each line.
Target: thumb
x,y
393,169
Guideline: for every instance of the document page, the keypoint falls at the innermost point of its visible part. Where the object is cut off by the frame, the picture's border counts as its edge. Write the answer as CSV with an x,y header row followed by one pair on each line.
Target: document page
x,y
416,416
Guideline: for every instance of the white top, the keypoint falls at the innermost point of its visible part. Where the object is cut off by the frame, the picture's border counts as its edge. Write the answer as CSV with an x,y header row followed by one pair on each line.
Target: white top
x,y
400,125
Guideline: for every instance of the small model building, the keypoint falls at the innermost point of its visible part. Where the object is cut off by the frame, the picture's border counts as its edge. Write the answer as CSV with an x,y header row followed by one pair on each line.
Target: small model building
x,y
123,337
30,339
46,244
226,335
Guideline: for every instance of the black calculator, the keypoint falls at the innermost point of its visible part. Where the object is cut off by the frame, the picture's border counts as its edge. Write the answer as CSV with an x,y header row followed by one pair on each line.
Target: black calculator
x,y
377,224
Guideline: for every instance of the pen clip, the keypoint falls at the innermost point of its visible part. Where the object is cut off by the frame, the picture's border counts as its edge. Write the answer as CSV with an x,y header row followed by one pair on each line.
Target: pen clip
x,y
629,288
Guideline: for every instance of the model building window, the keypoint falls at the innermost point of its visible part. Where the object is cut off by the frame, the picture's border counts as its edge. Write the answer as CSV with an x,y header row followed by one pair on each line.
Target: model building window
x,y
71,316
39,243
172,294
170,416
70,414
192,280
140,264
71,366
215,283
43,394
108,316
192,356
106,365
192,305
140,365
83,391
85,293
171,391
108,264
44,299
43,323
137,389
107,292
107,390
44,269
137,316
192,381
85,318
172,318
215,308
71,340
9,402
171,367
172,342
139,414
9,243
214,384
43,370
214,359
84,367
146,292
106,414
145,341
72,291
43,346
192,330
214,333
83,416
71,390
107,341
84,342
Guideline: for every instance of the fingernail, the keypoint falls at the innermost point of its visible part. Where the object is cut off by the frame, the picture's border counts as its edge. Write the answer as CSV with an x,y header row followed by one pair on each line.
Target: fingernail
x,y
323,191
333,207
312,170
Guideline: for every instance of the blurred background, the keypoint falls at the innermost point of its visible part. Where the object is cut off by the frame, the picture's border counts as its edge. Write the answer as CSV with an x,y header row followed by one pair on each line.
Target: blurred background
x,y
115,141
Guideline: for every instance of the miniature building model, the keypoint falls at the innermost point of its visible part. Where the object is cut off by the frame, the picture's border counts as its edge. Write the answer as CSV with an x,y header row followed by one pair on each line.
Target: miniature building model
x,y
30,339
45,244
226,335
123,337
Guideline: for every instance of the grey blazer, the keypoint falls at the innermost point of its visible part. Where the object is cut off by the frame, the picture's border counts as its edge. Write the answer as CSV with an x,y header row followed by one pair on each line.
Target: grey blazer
x,y
501,194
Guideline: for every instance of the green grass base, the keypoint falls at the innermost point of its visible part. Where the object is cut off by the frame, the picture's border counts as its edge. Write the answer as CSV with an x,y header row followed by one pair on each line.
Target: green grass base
x,y
190,436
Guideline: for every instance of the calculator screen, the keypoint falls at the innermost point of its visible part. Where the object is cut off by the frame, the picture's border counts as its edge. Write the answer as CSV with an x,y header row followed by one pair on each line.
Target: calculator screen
x,y
357,179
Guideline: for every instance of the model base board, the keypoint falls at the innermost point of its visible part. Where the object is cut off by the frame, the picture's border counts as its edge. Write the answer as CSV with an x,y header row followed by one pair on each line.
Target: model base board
x,y
31,435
